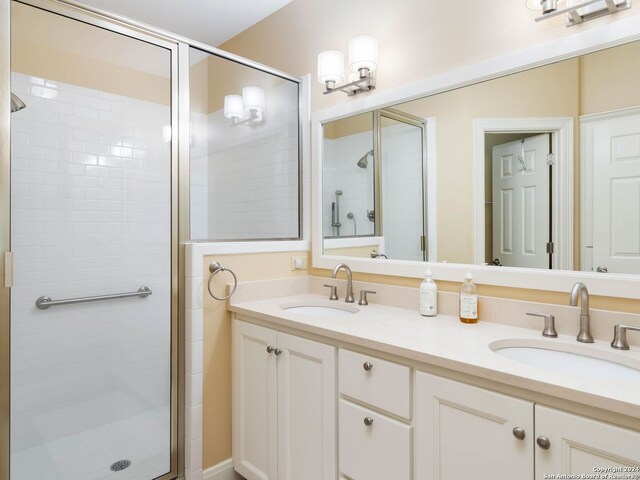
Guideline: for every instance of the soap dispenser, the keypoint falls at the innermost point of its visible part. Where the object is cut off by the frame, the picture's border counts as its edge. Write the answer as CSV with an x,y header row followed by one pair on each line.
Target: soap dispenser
x,y
428,296
468,303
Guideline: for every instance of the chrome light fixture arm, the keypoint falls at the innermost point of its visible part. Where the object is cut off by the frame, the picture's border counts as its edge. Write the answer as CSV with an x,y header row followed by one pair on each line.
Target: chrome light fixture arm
x,y
364,83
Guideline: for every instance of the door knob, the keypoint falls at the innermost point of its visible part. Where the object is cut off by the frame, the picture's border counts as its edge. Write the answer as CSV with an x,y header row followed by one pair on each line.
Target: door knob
x,y
367,366
270,349
519,433
543,443
368,421
277,351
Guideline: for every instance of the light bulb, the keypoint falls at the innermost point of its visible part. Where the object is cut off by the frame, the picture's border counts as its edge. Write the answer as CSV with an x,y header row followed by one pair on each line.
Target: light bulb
x,y
233,106
331,67
363,53
253,100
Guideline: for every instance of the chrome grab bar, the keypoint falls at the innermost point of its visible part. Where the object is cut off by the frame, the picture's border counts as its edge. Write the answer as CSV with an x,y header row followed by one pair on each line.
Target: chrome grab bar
x,y
46,302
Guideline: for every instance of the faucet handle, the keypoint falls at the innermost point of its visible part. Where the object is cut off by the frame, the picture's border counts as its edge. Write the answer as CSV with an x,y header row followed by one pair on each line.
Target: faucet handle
x,y
549,324
363,297
334,292
620,336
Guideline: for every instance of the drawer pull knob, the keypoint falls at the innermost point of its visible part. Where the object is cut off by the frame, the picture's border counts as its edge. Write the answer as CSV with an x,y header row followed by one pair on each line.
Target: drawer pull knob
x,y
367,366
519,433
543,443
270,349
277,351
368,421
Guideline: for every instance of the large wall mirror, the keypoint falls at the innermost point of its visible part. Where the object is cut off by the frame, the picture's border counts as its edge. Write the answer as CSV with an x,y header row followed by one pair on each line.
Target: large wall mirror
x,y
539,169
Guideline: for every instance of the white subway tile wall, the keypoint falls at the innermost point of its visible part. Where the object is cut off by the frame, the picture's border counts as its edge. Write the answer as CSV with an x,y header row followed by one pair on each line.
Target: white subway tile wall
x,y
250,177
91,214
341,172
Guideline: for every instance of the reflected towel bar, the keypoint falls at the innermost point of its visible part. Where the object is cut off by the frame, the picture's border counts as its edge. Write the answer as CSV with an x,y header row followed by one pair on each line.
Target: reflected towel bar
x,y
45,302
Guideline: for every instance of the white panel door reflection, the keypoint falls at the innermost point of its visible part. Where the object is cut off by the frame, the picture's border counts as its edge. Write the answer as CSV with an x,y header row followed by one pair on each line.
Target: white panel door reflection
x,y
521,202
616,195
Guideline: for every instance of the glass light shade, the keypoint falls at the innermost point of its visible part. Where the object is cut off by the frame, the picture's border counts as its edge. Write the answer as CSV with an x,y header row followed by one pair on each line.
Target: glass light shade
x,y
233,106
331,66
363,53
253,99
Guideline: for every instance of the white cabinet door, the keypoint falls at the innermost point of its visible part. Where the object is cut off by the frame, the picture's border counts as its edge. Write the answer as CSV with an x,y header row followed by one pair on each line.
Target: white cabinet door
x,y
306,410
255,402
579,445
467,432
373,446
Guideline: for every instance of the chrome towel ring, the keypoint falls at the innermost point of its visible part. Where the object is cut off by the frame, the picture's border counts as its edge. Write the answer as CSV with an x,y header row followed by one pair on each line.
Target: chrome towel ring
x,y
216,268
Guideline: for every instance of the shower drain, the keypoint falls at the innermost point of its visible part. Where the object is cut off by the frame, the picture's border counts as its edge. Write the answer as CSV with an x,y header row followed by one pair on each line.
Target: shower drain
x,y
120,465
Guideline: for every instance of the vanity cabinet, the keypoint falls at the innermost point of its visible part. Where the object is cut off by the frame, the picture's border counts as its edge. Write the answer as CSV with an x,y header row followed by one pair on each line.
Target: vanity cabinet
x,y
464,431
284,398
373,445
577,445
468,432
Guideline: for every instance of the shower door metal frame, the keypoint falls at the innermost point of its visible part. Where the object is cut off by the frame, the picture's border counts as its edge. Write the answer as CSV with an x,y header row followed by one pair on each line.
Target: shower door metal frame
x,y
118,25
420,123
5,235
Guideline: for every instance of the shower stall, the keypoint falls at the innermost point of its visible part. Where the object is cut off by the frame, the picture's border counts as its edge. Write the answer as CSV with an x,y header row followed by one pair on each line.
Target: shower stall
x,y
95,209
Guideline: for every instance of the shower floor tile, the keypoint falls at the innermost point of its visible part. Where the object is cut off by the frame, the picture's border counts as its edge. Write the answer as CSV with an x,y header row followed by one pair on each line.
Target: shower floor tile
x,y
142,439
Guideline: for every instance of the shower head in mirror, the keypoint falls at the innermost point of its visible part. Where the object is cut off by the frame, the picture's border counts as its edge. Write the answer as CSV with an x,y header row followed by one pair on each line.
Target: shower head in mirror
x,y
16,103
364,161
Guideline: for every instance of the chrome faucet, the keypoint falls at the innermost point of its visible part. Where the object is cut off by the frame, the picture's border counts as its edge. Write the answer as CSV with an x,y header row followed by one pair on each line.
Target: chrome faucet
x,y
349,298
580,289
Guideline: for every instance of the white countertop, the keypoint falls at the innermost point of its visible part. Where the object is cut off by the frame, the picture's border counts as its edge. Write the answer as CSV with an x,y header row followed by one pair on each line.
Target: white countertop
x,y
444,341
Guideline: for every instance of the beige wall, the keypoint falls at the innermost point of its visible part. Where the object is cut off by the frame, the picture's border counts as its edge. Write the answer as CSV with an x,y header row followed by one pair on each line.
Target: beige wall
x,y
217,346
513,96
48,46
418,38
610,79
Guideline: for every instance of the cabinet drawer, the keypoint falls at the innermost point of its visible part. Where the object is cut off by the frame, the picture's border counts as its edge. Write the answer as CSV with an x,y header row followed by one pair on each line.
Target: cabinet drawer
x,y
379,451
385,385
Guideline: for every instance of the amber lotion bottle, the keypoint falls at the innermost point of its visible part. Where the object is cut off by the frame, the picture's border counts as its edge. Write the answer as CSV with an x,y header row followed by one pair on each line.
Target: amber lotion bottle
x,y
468,303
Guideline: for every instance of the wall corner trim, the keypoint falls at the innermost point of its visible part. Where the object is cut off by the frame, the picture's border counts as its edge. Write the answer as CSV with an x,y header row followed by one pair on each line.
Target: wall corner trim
x,y
221,471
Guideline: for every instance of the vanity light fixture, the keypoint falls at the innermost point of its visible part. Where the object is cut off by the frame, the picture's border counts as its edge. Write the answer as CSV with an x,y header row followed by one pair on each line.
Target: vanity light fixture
x,y
363,62
579,11
246,109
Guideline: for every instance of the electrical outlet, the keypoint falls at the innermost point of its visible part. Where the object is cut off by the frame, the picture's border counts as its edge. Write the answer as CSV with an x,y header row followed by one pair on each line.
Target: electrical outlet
x,y
299,263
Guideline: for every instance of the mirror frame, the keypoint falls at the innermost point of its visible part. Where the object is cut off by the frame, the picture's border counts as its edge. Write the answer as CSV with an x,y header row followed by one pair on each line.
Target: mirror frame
x,y
598,38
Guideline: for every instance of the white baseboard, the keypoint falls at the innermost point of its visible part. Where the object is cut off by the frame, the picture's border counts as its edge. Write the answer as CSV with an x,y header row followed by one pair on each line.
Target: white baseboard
x,y
221,471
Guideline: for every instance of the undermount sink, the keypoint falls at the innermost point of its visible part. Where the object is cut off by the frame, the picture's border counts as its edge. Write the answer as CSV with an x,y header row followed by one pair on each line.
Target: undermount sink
x,y
320,309
575,360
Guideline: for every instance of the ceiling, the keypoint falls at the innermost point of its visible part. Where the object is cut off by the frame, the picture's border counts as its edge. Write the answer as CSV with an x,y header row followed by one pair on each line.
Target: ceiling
x,y
209,21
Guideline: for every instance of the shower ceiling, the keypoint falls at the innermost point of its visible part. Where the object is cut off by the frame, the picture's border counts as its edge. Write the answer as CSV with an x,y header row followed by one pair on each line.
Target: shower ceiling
x,y
212,22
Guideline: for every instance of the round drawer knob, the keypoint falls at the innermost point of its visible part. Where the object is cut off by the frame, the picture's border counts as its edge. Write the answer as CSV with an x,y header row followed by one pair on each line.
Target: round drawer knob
x,y
543,443
519,433
270,349
368,421
367,366
277,351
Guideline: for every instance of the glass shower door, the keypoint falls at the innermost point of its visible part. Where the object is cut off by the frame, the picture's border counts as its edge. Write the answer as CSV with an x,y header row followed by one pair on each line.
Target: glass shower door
x,y
403,186
91,216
